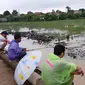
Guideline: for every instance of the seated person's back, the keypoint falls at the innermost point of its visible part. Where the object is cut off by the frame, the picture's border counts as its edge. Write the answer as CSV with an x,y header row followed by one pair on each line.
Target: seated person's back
x,y
57,71
14,51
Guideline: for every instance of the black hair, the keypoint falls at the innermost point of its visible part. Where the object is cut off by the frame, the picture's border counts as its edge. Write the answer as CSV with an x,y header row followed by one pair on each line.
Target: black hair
x,y
17,35
58,49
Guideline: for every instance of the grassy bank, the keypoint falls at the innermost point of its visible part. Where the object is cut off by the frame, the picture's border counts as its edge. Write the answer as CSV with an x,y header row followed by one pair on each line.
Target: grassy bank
x,y
73,26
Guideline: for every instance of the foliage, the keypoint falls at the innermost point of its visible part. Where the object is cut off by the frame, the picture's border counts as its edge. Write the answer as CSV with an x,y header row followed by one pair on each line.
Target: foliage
x,y
6,13
50,16
15,13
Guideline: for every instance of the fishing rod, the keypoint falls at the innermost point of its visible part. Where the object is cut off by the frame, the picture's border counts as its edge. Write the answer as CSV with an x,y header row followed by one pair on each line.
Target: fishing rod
x,y
45,48
40,48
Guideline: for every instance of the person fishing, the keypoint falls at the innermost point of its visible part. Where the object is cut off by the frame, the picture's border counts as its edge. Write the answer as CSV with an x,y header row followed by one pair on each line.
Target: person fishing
x,y
3,40
14,51
68,37
56,71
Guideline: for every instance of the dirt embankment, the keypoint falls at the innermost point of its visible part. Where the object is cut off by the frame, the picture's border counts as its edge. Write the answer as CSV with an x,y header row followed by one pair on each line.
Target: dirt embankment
x,y
6,74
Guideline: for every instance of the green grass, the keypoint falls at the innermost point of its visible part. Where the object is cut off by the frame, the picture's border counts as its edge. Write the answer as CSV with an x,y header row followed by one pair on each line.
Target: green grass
x,y
59,24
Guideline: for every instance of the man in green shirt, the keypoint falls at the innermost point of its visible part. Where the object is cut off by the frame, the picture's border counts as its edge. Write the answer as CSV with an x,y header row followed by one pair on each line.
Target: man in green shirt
x,y
57,71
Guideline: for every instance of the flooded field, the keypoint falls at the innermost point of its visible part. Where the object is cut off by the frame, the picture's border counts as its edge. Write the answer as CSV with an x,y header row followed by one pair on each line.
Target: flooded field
x,y
75,48
75,44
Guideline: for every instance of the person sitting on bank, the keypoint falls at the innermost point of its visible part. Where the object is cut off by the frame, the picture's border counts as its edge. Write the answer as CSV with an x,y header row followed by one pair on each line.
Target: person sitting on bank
x,y
3,40
57,71
14,51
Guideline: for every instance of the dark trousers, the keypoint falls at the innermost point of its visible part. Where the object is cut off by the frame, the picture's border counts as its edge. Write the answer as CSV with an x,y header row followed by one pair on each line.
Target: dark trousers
x,y
21,55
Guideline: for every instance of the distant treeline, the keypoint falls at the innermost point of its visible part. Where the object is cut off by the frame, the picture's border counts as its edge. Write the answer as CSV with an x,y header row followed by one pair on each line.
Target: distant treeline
x,y
15,16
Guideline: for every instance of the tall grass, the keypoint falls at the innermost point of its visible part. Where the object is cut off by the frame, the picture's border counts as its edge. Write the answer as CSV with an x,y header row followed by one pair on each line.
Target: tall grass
x,y
73,26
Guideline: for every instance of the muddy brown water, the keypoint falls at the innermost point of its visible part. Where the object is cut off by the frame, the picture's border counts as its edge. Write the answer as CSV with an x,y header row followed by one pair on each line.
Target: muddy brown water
x,y
7,74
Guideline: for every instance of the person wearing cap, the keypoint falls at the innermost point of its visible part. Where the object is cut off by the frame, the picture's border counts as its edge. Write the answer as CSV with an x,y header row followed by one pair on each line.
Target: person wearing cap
x,y
14,51
56,71
3,40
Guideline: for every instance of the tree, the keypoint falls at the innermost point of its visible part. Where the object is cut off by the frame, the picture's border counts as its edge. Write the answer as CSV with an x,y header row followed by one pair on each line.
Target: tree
x,y
68,9
77,15
29,12
36,18
22,15
71,11
6,13
15,13
1,16
47,17
58,11
30,17
53,17
53,11
71,16
62,16
82,10
9,18
83,14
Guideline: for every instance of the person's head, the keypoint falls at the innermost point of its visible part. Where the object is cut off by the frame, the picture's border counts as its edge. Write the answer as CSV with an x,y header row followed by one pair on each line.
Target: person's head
x,y
17,37
59,50
4,34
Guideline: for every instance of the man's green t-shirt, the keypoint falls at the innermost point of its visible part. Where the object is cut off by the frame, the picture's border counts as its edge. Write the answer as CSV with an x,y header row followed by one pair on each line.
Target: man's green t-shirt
x,y
57,71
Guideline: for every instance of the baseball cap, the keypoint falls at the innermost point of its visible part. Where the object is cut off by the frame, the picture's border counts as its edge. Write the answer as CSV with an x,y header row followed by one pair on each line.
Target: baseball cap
x,y
4,32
